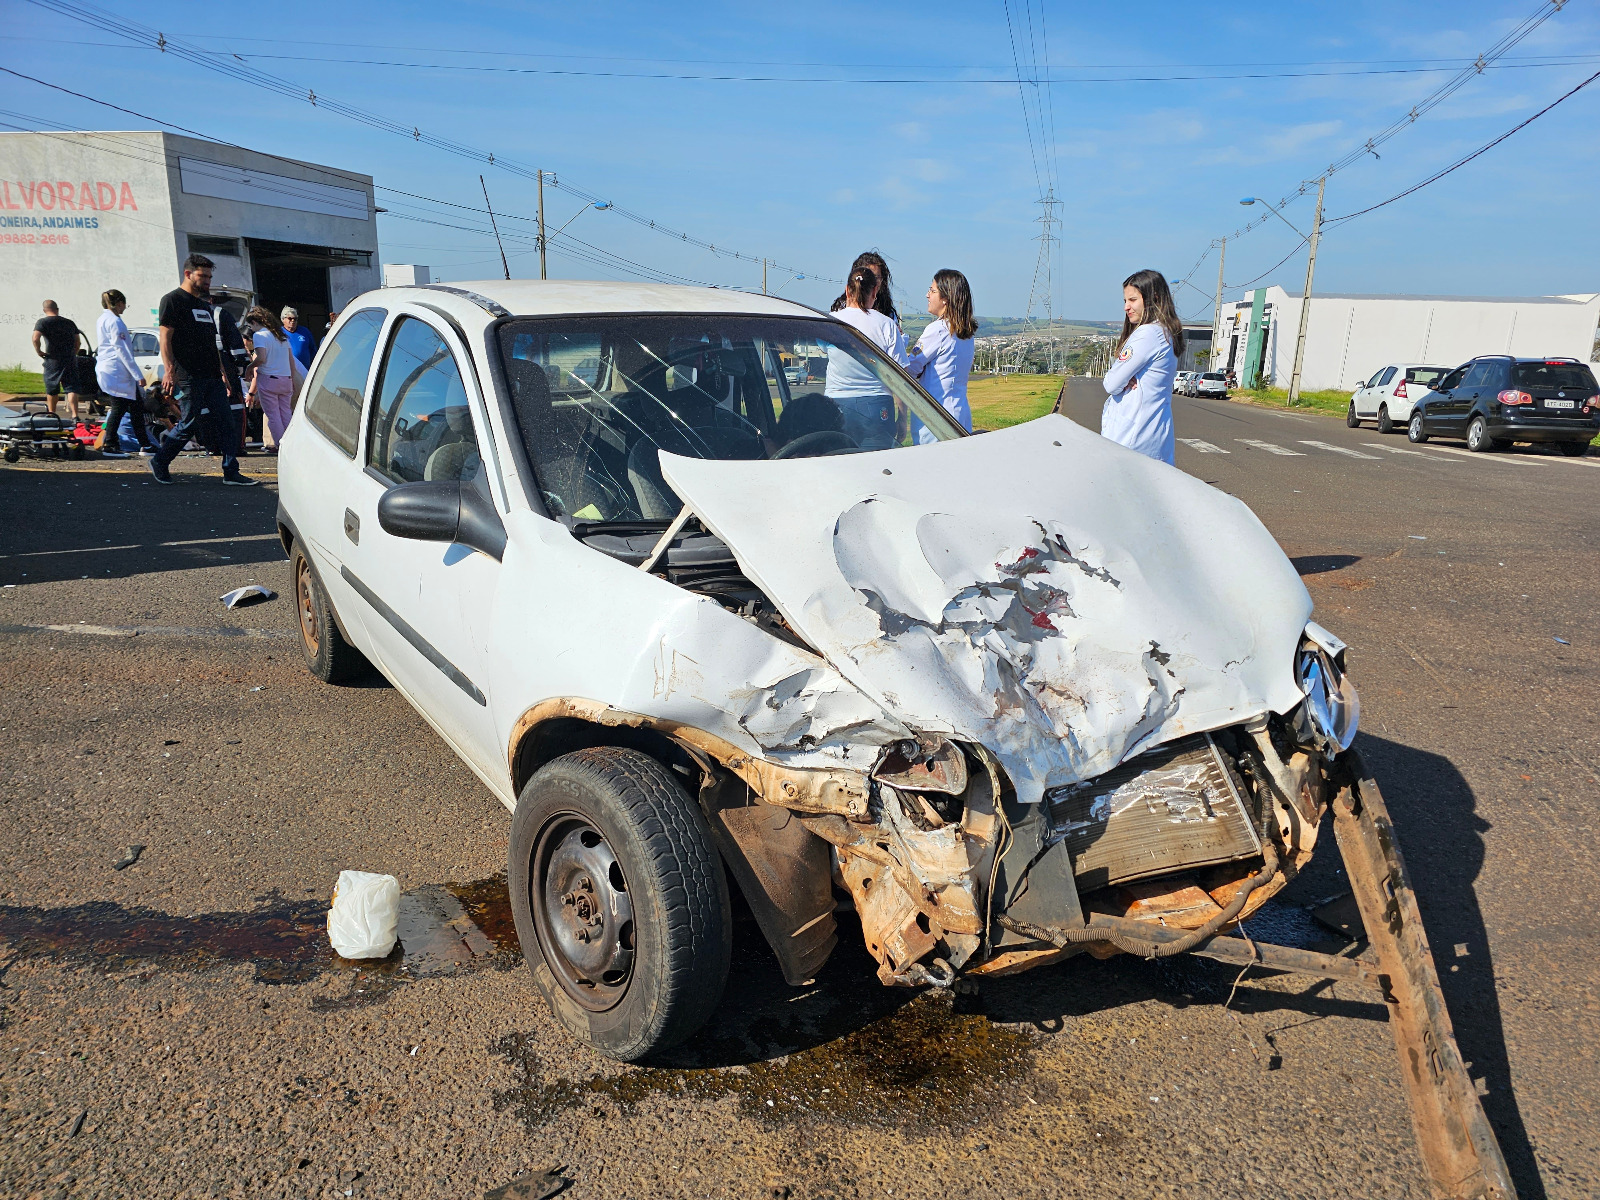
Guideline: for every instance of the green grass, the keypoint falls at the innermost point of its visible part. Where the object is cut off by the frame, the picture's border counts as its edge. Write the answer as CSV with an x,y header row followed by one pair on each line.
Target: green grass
x,y
1335,402
1001,400
20,382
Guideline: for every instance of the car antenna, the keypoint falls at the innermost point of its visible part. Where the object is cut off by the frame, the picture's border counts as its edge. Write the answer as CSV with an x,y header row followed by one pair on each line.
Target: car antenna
x,y
492,225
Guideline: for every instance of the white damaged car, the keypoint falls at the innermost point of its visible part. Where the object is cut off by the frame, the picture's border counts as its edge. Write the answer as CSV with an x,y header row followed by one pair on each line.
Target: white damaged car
x,y
1008,697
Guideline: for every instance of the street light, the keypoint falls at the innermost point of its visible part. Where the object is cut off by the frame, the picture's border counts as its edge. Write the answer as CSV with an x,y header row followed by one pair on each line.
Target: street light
x,y
544,241
1305,296
786,283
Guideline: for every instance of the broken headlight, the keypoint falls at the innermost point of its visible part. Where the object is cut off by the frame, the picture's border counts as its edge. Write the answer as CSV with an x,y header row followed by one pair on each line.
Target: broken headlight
x,y
1331,711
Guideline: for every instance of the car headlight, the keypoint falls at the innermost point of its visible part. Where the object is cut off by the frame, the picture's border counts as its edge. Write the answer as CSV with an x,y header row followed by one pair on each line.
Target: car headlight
x,y
1331,712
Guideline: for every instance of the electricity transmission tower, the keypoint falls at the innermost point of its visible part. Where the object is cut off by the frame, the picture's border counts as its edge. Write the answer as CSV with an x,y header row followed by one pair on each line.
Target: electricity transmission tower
x,y
1044,266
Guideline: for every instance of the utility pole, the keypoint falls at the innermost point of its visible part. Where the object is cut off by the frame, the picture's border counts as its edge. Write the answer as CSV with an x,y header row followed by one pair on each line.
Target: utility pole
x,y
505,266
1216,315
542,274
763,277
1305,298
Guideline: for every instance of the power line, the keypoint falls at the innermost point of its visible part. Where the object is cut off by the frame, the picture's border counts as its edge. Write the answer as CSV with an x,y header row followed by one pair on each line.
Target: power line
x,y
1461,162
235,68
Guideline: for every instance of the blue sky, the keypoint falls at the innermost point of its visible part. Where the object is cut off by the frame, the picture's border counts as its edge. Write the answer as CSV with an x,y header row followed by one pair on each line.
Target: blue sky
x,y
934,174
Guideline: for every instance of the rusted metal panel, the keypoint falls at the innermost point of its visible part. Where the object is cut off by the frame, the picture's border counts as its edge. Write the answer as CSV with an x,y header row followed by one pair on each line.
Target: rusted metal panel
x,y
783,869
1173,807
1457,1143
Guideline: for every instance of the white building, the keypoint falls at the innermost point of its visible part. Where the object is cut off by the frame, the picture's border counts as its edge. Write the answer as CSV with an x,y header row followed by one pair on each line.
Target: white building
x,y
1349,336
81,213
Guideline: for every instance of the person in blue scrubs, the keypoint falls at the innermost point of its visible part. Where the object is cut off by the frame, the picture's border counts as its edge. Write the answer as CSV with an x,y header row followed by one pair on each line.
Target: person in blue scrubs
x,y
1138,411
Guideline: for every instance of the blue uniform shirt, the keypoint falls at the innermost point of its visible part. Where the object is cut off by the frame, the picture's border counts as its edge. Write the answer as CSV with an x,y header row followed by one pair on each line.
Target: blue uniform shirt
x,y
302,345
1138,411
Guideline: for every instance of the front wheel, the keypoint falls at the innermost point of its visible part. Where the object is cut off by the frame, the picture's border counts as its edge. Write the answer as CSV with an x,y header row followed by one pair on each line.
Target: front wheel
x,y
1414,430
1385,425
1478,439
620,901
1350,417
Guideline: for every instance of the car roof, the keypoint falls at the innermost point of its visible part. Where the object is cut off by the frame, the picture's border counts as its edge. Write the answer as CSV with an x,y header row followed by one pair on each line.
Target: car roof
x,y
560,297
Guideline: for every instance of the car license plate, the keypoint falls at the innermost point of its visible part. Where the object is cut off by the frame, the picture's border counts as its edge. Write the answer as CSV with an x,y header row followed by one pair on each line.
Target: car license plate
x,y
1561,404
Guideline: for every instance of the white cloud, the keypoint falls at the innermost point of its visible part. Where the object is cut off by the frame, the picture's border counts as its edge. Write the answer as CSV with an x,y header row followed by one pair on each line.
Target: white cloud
x,y
1298,137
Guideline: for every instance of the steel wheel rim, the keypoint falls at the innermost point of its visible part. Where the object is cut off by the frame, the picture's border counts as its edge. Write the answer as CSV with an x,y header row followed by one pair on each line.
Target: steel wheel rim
x,y
306,595
582,912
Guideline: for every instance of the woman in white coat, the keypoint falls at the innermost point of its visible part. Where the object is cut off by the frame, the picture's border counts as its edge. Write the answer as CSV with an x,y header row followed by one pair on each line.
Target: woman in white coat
x,y
1138,411
942,357
118,374
870,417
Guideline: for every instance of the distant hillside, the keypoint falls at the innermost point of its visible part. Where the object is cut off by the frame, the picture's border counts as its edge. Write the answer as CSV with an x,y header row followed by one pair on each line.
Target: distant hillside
x,y
915,323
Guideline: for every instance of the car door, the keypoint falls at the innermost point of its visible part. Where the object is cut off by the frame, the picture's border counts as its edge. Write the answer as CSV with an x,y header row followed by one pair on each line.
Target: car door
x,y
427,603
1361,399
1453,412
319,455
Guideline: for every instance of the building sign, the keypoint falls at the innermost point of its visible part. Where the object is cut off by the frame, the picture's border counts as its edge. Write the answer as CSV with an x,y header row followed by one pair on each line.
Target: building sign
x,y
62,195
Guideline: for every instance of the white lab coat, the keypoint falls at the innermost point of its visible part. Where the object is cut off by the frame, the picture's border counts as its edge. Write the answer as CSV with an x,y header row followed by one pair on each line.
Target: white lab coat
x,y
942,362
1138,411
850,379
115,369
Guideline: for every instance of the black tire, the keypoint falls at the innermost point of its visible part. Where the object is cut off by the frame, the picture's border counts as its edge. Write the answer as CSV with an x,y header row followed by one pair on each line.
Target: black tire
x,y
12,454
1478,439
1350,418
328,656
1385,425
664,935
1574,449
1414,430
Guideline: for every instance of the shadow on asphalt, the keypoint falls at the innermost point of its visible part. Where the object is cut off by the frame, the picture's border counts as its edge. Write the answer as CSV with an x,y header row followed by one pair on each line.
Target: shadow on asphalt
x,y
110,510
1321,564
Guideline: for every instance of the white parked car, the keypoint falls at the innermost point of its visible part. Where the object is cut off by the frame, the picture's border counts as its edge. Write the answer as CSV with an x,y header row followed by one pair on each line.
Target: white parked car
x,y
1389,395
146,347
1211,383
965,683
1183,382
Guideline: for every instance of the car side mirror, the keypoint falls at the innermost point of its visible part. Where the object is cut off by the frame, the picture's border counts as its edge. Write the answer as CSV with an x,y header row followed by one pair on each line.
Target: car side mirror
x,y
443,512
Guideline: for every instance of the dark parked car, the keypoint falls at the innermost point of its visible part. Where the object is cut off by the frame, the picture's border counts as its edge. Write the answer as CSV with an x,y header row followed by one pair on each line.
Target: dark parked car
x,y
1496,400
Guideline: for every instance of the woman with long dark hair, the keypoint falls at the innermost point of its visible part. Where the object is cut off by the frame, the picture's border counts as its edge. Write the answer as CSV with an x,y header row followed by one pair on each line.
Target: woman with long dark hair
x,y
942,357
871,418
1138,411
872,261
272,385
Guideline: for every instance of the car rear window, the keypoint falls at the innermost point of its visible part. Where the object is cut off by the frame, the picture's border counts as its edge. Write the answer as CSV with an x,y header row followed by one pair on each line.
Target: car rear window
x,y
1560,376
1212,375
1426,376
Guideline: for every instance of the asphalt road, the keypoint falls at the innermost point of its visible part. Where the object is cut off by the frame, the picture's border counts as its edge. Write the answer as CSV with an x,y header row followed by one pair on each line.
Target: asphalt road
x,y
179,1028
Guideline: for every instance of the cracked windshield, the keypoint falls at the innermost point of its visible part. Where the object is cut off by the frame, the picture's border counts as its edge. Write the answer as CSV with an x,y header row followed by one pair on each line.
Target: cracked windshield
x,y
599,399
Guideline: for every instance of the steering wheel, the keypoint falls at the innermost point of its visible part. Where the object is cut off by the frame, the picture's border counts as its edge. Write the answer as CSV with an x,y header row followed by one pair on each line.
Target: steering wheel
x,y
813,445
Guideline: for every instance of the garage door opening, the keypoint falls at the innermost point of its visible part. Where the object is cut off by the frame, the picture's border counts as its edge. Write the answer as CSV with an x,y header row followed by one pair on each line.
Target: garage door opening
x,y
288,273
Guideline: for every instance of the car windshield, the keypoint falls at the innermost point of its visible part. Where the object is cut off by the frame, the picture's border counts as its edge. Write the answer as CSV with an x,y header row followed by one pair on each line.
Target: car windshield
x,y
598,397
1426,376
145,344
1563,376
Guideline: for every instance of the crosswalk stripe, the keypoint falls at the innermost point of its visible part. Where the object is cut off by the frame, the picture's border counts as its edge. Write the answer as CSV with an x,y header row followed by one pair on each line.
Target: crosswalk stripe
x,y
1204,447
1269,447
1345,450
1403,450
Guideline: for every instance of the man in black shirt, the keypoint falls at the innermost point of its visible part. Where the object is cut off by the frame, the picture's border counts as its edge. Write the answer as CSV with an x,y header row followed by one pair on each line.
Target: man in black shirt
x,y
198,372
60,354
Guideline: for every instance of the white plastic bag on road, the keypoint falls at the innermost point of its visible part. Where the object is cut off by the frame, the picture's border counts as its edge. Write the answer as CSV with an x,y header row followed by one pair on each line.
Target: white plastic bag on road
x,y
366,907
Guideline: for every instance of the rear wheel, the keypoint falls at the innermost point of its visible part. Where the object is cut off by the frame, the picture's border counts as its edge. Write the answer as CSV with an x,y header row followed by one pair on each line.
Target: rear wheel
x,y
1414,430
328,656
1574,449
1385,425
620,901
1350,417
1478,439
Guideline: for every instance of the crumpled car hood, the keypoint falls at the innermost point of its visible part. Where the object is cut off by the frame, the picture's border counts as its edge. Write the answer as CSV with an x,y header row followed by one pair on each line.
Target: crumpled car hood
x,y
1040,590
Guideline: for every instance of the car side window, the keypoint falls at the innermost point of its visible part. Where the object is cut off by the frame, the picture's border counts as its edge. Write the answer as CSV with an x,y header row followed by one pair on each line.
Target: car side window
x,y
334,395
1477,375
1373,382
1388,376
1452,380
421,422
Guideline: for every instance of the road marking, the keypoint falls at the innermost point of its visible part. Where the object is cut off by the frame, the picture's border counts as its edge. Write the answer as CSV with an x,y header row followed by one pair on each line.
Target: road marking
x,y
1345,450
1402,450
129,631
1523,459
1204,447
1269,447
244,537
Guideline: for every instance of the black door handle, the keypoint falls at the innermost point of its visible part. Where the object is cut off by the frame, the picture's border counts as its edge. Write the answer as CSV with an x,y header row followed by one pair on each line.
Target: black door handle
x,y
352,526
